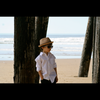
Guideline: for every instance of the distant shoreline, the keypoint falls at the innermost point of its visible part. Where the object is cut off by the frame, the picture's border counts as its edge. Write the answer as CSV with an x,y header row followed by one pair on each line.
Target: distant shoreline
x,y
49,34
66,34
66,46
11,57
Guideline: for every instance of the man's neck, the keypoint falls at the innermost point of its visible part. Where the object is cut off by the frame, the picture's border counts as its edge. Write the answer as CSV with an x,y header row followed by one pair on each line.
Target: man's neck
x,y
46,53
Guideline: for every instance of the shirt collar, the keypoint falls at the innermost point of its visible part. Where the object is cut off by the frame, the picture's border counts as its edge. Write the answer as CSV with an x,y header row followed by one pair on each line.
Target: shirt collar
x,y
44,53
41,53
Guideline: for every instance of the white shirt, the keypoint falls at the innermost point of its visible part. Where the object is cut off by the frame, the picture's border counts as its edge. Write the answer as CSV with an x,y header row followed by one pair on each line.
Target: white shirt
x,y
46,63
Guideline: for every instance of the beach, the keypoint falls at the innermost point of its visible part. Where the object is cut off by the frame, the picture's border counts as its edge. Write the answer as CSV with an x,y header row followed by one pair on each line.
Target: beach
x,y
67,71
6,71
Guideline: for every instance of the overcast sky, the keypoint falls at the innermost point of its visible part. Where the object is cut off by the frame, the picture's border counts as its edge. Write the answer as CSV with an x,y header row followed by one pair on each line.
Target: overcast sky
x,y
56,25
67,25
7,25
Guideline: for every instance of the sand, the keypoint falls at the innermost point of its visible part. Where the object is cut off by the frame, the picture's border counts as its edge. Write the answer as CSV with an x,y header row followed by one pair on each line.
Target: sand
x,y
67,71
6,72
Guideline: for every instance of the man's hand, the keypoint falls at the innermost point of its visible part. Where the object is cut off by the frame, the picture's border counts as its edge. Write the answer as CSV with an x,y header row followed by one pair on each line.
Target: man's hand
x,y
56,73
56,79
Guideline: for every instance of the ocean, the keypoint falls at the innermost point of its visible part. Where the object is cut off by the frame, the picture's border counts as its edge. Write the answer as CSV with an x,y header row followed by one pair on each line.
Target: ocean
x,y
64,46
67,46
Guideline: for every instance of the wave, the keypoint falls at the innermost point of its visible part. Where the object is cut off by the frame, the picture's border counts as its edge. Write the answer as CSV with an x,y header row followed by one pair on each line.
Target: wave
x,y
60,53
7,49
76,49
67,40
70,39
6,40
6,53
64,46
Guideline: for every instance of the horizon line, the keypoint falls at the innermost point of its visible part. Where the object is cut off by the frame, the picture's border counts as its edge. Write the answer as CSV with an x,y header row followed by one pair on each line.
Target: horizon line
x,y
56,33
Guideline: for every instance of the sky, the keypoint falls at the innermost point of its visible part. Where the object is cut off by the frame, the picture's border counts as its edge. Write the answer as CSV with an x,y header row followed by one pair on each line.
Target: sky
x,y
67,25
7,25
56,25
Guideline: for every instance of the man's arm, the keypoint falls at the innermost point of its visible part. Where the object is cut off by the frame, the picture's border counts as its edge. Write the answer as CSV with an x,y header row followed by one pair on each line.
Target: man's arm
x,y
56,73
55,70
40,74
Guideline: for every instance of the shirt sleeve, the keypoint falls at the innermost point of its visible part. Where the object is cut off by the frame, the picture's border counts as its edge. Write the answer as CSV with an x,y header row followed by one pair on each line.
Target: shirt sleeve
x,y
55,65
38,63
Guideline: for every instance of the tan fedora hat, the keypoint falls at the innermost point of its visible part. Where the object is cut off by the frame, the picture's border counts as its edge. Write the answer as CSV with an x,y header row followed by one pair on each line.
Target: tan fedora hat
x,y
45,41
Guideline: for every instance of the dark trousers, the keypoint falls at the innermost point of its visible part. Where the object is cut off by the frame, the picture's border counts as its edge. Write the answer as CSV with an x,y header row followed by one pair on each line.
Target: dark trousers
x,y
44,81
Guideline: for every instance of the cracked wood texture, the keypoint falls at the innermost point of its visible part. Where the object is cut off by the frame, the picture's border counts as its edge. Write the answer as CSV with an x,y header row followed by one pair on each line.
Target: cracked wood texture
x,y
24,50
87,50
96,51
41,24
27,32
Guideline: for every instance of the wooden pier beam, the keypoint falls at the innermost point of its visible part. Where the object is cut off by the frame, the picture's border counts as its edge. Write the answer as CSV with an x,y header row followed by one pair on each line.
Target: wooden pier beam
x,y
24,49
27,33
87,50
93,62
96,52
41,24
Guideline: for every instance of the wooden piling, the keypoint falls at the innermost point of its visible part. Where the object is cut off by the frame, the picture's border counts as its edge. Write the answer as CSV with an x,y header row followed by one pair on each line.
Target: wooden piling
x,y
27,33
41,24
87,50
24,49
93,46
96,52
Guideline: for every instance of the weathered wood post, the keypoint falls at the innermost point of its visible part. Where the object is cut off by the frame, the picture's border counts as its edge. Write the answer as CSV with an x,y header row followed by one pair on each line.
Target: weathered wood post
x,y
96,52
24,50
41,24
28,31
93,62
87,50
